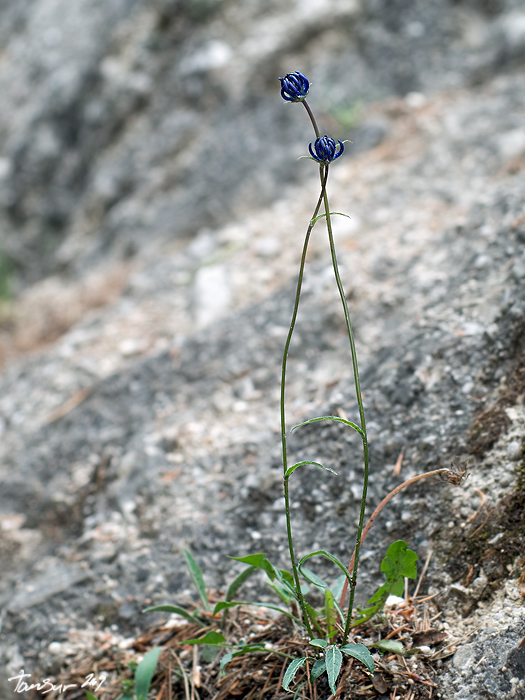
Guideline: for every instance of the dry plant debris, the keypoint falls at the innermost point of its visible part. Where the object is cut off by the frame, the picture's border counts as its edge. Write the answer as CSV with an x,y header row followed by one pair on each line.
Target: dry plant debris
x,y
189,672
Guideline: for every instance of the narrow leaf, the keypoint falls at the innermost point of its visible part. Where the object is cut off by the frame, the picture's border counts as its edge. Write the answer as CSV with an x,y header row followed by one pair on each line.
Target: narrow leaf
x,y
175,609
90,696
337,587
332,213
292,669
290,470
361,653
225,661
144,673
213,638
336,418
390,645
314,578
333,660
318,669
196,576
318,643
238,581
329,613
261,562
225,605
246,649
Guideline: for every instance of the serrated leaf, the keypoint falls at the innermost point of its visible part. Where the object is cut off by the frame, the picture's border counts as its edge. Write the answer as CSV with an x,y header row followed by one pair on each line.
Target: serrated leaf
x,y
144,673
213,638
196,577
175,609
390,645
399,561
318,669
238,581
318,643
290,470
361,653
337,419
292,669
333,659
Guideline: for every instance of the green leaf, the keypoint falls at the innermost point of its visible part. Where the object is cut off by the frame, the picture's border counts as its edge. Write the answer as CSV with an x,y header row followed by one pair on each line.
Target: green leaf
x,y
246,649
225,660
399,561
196,576
337,587
283,592
292,669
322,584
232,604
318,669
333,659
361,653
213,638
336,418
226,605
144,673
238,581
260,562
290,470
390,645
90,696
318,643
175,609
332,213
329,613
314,578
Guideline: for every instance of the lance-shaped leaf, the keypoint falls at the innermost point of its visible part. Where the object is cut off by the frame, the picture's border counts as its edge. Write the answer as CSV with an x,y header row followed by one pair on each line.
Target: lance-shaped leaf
x,y
292,669
196,576
361,653
333,660
291,470
144,673
212,638
177,610
336,418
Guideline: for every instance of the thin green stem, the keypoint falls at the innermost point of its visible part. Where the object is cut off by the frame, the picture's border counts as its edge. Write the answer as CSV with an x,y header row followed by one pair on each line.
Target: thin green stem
x,y
312,118
283,414
358,396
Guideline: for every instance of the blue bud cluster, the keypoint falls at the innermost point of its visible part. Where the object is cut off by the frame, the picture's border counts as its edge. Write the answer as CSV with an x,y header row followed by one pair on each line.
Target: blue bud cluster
x,y
325,150
294,87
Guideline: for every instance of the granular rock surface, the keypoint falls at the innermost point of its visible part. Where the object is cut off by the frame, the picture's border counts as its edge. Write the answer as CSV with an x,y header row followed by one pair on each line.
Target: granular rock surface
x,y
149,421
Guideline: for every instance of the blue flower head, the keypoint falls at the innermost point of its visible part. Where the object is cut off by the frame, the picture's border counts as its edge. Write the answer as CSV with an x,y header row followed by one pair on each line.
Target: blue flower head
x,y
325,148
294,87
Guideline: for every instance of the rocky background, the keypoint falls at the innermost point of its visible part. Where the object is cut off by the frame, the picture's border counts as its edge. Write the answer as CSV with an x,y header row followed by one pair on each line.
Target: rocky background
x,y
152,213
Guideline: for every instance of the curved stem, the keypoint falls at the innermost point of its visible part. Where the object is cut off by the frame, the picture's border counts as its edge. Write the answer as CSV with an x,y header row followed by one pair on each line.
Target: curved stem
x,y
312,118
283,414
376,513
359,403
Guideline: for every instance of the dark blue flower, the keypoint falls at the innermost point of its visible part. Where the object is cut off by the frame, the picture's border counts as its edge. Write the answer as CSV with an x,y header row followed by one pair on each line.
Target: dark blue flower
x,y
325,148
294,87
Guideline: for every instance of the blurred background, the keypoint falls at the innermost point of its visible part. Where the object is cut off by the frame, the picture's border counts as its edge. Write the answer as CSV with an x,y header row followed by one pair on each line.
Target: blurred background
x,y
130,125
